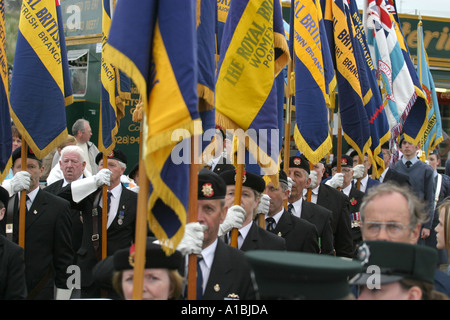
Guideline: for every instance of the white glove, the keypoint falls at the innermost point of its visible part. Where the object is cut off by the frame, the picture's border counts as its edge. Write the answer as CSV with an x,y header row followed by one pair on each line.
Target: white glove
x,y
234,219
84,187
264,204
63,294
20,181
290,184
192,241
358,171
103,177
313,176
336,181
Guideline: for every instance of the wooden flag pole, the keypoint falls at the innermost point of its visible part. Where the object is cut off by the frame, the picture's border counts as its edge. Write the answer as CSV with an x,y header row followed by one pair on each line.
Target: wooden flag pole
x,y
141,228
104,211
287,125
339,144
23,195
192,217
238,188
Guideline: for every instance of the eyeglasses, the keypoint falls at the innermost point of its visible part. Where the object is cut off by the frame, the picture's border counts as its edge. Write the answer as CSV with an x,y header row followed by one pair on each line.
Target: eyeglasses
x,y
393,229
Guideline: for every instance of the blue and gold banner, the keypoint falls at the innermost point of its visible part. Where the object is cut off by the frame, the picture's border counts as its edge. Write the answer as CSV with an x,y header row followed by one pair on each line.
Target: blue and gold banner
x,y
115,90
254,51
314,77
154,43
206,39
350,72
5,118
40,84
433,133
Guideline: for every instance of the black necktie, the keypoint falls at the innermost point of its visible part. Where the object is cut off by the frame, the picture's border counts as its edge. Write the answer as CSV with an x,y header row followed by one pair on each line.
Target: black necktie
x,y
270,224
290,208
199,279
108,201
26,207
408,164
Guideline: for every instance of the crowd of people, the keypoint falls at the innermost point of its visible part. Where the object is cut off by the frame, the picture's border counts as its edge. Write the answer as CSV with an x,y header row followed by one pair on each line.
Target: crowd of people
x,y
316,233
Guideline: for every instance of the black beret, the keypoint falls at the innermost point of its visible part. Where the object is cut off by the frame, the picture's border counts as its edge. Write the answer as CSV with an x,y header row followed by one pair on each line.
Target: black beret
x,y
299,162
249,179
4,196
282,177
134,171
155,257
210,185
346,161
115,154
17,154
385,145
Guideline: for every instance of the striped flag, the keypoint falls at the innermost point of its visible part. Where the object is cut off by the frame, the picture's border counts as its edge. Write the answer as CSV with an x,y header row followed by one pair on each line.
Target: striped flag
x,y
40,84
254,51
433,133
314,76
115,90
373,102
5,118
154,43
405,102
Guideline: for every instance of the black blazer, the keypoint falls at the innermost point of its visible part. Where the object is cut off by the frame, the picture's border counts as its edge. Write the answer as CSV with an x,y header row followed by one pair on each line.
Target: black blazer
x,y
119,235
48,243
77,224
339,204
230,274
261,239
322,219
12,275
299,234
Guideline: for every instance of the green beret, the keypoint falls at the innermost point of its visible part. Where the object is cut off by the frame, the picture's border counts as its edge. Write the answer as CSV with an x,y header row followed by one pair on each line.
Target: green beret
x,y
249,179
396,261
298,275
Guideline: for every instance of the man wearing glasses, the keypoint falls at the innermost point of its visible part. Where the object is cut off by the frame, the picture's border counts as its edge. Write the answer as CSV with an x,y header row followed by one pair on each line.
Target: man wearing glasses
x,y
393,213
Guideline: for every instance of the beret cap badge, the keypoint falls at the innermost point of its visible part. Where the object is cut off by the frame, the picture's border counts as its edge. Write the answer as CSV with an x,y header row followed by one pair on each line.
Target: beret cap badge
x,y
207,190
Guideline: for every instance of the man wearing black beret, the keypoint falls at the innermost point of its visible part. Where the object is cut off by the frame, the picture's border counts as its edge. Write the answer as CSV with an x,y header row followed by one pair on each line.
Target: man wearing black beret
x,y
225,272
322,218
251,236
300,235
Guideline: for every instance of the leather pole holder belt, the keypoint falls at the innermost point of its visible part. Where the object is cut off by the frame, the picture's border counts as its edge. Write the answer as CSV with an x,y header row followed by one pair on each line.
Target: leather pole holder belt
x,y
95,230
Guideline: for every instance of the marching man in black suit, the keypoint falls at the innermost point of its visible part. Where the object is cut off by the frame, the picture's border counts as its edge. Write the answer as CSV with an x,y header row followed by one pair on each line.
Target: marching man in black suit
x,y
251,236
225,272
86,196
319,216
48,243
12,277
300,235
